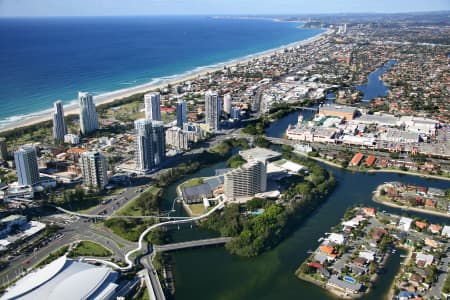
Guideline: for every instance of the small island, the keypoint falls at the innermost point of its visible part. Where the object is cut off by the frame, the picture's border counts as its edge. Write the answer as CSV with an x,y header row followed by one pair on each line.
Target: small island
x,y
428,200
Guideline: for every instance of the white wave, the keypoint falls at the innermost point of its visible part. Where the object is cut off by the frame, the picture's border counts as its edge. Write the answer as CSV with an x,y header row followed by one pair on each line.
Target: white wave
x,y
101,95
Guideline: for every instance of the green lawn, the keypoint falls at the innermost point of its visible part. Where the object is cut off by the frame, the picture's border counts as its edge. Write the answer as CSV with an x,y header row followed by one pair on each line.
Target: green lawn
x,y
191,182
88,248
131,208
197,209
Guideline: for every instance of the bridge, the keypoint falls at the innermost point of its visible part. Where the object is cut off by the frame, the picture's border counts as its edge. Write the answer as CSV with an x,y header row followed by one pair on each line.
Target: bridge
x,y
191,244
314,109
87,216
282,141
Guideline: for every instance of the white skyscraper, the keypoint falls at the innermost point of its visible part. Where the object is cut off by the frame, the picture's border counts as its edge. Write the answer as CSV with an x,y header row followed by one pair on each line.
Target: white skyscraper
x,y
247,180
177,138
152,102
181,113
88,113
59,125
150,144
212,110
227,103
27,169
93,169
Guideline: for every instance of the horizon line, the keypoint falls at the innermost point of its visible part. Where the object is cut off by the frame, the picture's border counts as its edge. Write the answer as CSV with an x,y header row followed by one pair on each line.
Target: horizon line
x,y
230,15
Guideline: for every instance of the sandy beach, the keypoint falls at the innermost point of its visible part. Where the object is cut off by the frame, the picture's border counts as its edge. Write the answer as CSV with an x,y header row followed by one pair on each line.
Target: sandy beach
x,y
109,97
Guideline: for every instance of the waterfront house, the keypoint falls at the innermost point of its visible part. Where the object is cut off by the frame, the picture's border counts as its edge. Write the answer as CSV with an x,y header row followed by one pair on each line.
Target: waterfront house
x,y
405,295
435,228
421,225
315,265
446,231
370,160
344,286
436,192
368,255
329,252
369,211
356,160
336,238
405,223
430,203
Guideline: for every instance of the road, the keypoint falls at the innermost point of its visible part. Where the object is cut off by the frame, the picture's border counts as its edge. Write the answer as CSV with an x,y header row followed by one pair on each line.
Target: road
x,y
154,285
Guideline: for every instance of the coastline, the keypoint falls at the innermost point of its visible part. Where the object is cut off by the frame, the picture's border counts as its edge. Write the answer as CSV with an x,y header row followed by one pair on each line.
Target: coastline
x,y
111,97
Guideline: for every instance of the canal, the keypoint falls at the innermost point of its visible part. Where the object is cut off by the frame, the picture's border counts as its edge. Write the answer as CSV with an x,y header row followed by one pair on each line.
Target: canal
x,y
375,87
212,273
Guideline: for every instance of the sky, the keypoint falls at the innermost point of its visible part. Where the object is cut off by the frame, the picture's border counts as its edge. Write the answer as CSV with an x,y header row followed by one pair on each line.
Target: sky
x,y
10,8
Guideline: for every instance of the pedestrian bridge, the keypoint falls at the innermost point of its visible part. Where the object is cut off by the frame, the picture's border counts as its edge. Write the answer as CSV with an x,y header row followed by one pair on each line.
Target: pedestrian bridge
x,y
191,244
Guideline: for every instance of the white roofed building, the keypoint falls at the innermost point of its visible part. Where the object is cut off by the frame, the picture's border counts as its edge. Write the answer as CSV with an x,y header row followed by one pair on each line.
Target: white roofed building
x,y
405,223
66,279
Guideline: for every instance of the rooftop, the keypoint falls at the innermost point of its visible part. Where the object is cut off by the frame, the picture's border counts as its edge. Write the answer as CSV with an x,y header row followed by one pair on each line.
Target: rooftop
x,y
64,279
260,154
338,108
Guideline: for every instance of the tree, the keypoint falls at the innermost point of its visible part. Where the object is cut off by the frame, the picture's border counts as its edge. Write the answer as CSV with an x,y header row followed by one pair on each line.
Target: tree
x,y
261,142
236,161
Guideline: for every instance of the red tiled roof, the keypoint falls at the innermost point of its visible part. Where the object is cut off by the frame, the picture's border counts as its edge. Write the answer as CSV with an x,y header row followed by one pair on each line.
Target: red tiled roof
x,y
370,160
357,159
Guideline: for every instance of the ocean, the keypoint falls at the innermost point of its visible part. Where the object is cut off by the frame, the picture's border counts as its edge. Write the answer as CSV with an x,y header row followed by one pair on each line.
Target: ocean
x,y
45,59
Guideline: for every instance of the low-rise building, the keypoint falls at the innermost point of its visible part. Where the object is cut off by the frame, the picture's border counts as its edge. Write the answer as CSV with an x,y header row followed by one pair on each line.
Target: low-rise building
x,y
346,112
344,286
64,277
405,223
8,223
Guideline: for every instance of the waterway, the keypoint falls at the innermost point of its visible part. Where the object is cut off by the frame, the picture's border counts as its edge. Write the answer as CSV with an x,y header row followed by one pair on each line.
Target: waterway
x,y
212,273
375,87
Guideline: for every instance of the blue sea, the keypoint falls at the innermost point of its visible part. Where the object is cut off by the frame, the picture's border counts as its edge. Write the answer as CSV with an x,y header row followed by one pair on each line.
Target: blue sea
x,y
45,59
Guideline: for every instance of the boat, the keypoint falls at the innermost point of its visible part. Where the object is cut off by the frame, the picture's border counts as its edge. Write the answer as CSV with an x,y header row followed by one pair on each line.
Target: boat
x,y
320,240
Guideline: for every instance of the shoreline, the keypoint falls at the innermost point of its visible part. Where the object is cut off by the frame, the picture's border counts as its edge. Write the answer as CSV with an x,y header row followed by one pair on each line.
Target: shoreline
x,y
112,96
374,170
408,208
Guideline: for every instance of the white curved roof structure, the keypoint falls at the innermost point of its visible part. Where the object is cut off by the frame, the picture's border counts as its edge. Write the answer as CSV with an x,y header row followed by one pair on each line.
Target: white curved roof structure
x,y
65,279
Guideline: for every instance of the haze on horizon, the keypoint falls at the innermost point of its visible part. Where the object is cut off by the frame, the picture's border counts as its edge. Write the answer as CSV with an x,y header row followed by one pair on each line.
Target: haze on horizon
x,y
43,8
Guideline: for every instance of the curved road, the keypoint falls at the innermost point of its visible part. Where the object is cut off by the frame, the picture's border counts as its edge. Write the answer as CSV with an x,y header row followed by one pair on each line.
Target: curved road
x,y
143,234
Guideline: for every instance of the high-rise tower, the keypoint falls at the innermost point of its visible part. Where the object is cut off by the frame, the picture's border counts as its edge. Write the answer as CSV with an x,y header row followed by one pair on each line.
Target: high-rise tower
x,y
152,102
150,144
88,113
181,113
59,125
93,169
212,110
27,169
